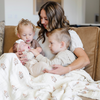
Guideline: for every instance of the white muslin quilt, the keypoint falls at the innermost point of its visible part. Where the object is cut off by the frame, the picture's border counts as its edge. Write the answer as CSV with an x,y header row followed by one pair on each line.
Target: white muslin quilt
x,y
17,84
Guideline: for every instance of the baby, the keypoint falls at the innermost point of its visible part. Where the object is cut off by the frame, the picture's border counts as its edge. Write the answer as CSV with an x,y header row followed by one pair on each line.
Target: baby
x,y
35,68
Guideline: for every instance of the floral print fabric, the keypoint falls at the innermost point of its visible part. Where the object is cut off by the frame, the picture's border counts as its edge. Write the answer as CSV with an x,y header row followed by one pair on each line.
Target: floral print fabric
x,y
17,84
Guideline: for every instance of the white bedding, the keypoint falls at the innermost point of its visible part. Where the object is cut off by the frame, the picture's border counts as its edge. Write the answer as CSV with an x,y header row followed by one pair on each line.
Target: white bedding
x,y
17,84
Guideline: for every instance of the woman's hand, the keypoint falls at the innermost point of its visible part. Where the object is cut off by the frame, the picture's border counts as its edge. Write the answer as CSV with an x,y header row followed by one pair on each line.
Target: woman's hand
x,y
22,57
58,69
79,63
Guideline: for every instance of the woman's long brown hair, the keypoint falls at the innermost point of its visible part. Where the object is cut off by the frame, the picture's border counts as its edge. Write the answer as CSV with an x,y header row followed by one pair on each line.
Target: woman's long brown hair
x,y
55,16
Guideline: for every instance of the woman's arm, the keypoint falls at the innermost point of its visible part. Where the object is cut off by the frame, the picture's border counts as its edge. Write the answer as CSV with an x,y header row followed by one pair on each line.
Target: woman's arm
x,y
80,62
82,59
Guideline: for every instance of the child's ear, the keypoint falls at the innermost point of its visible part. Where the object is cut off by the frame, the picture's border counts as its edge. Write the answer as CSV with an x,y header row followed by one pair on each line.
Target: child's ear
x,y
18,35
62,44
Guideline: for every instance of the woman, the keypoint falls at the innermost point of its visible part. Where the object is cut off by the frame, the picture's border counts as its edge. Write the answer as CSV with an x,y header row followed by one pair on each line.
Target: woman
x,y
51,16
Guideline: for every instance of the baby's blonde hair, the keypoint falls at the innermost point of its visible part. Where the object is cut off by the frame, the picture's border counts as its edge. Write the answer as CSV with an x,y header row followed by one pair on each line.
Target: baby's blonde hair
x,y
24,22
61,34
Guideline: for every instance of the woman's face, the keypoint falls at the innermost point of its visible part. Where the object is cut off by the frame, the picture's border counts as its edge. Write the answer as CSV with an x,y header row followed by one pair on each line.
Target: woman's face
x,y
44,19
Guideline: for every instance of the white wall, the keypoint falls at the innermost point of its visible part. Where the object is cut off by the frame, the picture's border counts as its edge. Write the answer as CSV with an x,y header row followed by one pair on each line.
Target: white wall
x,y
74,10
70,7
92,8
17,9
2,10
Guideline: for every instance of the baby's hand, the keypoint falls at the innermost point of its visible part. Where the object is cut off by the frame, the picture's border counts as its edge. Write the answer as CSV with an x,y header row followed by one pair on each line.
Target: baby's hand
x,y
35,52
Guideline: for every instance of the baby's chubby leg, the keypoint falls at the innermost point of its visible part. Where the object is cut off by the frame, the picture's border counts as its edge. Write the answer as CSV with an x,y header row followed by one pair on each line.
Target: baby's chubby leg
x,y
37,69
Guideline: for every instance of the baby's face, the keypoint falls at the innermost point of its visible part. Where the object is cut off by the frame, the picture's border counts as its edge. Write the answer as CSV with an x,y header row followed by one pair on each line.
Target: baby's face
x,y
23,46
